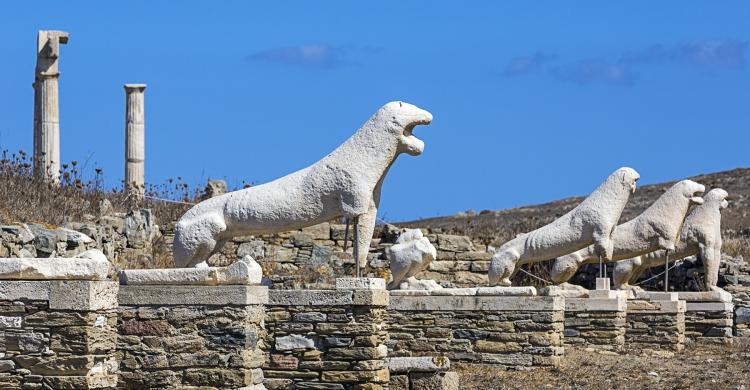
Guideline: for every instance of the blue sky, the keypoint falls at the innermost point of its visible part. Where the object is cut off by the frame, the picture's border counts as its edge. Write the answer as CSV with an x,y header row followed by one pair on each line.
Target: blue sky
x,y
533,101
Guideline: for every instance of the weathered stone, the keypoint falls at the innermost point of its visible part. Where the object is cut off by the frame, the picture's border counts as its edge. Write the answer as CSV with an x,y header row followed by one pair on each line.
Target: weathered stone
x,y
245,271
294,341
435,381
192,295
418,364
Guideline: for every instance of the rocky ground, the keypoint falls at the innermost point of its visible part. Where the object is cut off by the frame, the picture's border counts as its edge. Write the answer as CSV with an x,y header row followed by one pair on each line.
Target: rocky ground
x,y
699,367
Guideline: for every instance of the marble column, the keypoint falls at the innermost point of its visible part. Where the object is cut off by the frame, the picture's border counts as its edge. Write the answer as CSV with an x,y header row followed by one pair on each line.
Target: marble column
x,y
46,108
135,141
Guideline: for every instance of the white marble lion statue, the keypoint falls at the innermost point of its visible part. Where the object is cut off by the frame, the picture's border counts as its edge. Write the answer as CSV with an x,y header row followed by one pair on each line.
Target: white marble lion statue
x,y
701,235
658,227
345,183
591,222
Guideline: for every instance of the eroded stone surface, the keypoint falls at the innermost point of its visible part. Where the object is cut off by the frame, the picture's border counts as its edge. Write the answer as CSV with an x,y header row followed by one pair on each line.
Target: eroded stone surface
x,y
245,271
658,227
701,235
594,220
89,265
410,255
351,175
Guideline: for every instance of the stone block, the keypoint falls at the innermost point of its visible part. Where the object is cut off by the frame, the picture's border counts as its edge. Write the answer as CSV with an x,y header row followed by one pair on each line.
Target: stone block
x,y
294,341
435,381
83,295
172,295
475,303
704,296
24,290
507,291
467,291
709,306
400,365
245,271
310,297
360,284
56,268
594,305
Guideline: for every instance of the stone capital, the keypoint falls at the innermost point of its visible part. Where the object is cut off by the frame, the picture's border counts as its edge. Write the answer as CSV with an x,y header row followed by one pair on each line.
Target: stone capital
x,y
130,88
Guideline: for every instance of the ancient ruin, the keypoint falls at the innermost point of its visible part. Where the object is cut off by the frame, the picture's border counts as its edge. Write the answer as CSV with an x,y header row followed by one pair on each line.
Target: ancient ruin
x,y
591,222
411,254
346,183
46,104
700,235
135,139
656,228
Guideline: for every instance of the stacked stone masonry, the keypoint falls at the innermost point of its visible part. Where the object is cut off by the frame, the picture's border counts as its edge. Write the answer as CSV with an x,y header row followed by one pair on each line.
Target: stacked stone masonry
x,y
205,337
655,325
709,317
326,339
509,331
422,373
58,334
595,323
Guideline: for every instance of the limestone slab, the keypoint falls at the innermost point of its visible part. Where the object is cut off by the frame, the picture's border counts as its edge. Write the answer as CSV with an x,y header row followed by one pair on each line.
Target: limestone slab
x,y
24,290
400,365
658,296
594,304
643,306
471,303
705,296
58,268
410,292
360,284
557,291
469,291
83,295
171,295
607,294
709,306
311,297
245,271
507,291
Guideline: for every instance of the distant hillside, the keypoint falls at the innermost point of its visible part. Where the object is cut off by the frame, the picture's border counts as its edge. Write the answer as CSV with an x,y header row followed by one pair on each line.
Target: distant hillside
x,y
496,227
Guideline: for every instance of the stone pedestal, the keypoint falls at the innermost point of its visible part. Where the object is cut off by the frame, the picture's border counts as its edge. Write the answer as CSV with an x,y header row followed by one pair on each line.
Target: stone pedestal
x,y
498,329
709,316
328,339
656,324
173,336
58,334
595,322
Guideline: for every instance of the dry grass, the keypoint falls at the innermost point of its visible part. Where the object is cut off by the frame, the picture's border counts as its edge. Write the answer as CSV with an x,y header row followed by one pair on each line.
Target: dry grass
x,y
25,197
737,245
699,367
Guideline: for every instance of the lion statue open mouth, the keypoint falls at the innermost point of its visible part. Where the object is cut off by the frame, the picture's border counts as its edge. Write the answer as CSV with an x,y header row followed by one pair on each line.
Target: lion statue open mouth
x,y
345,183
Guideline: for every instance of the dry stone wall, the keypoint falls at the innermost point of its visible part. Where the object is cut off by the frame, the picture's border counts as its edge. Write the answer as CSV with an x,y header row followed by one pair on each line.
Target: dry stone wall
x,y
205,337
595,323
655,325
58,334
511,331
326,339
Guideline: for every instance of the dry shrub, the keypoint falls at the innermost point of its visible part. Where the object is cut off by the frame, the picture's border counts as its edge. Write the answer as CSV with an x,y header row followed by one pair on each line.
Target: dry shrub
x,y
25,197
737,245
